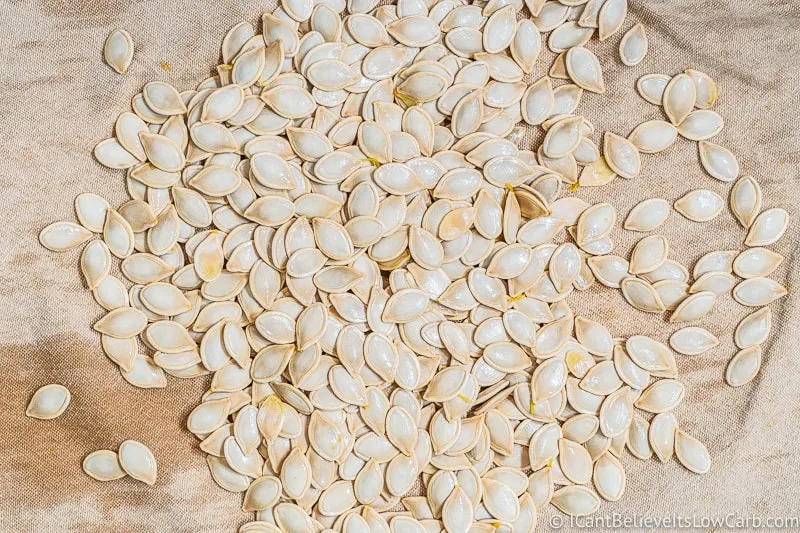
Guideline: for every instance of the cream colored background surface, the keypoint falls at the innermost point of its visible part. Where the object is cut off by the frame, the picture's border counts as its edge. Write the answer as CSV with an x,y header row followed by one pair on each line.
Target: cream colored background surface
x,y
58,99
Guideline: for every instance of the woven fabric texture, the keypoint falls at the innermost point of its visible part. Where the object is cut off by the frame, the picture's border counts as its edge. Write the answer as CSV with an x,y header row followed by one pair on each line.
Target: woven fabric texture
x,y
59,99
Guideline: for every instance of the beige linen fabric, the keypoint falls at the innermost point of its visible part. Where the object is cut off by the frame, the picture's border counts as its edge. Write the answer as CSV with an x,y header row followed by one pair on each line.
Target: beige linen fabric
x,y
58,99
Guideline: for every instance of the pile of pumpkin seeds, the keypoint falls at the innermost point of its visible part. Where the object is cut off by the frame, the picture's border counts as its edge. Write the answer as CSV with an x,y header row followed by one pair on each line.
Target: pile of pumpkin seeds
x,y
341,228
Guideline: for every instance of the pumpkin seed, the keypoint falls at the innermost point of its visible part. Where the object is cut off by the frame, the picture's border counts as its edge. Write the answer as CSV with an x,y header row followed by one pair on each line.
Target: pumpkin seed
x,y
138,461
745,200
678,98
754,328
584,69
648,254
661,436
693,340
701,205
743,366
705,87
118,50
653,136
768,227
621,155
48,402
692,453
651,87
758,291
719,162
611,17
103,465
701,125
633,46
756,262
575,500
647,215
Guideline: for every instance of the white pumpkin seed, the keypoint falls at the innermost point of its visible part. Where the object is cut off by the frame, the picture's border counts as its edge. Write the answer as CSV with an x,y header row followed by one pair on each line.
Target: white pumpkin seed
x,y
653,136
678,98
611,17
48,402
692,453
693,340
754,328
138,461
118,50
575,500
701,125
700,205
538,101
633,46
647,215
584,69
745,200
693,307
743,367
103,465
661,436
648,254
651,87
719,162
705,87
756,292
768,227
621,155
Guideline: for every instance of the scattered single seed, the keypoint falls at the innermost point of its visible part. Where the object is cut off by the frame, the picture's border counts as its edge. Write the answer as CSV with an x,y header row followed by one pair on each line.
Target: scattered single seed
x,y
138,461
679,97
49,402
718,161
693,340
103,465
118,50
754,328
647,215
633,46
701,205
744,366
651,87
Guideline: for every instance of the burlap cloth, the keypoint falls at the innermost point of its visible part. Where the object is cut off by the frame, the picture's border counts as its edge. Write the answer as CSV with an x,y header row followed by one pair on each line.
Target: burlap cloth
x,y
58,99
